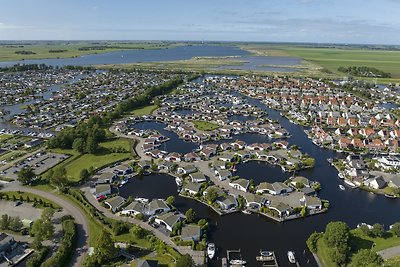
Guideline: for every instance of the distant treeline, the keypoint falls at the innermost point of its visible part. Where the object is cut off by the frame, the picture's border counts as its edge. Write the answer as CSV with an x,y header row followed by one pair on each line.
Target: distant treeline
x,y
97,47
364,72
58,50
27,67
25,52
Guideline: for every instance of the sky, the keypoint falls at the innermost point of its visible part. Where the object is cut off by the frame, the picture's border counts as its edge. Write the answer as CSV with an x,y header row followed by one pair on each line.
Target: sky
x,y
320,21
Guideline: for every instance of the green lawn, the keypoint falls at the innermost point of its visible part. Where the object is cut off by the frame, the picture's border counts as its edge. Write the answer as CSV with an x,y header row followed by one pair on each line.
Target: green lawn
x,y
4,137
359,241
117,143
205,126
395,262
147,110
86,161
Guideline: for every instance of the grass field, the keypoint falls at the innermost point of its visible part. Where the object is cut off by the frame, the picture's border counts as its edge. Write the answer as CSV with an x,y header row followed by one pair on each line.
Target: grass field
x,y
147,110
359,241
4,137
125,144
41,49
205,126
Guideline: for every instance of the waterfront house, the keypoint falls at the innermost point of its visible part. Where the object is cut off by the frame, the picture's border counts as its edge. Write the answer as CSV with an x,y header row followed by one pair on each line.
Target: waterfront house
x,y
207,152
218,190
227,202
394,182
168,220
156,206
254,201
115,203
106,178
155,153
311,202
165,166
240,184
190,157
197,177
124,169
227,157
173,157
102,190
376,182
242,154
191,232
191,188
300,180
280,188
144,164
223,174
281,208
186,169
217,164
264,187
134,208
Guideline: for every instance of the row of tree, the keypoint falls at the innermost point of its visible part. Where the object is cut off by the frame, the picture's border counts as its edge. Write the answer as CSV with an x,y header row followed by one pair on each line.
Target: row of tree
x,y
364,71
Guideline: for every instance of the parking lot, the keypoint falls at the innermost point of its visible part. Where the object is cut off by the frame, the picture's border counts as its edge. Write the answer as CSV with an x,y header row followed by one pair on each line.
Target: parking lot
x,y
40,162
23,211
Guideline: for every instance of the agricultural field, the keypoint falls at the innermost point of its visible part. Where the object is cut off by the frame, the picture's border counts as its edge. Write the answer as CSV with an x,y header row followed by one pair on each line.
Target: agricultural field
x,y
40,50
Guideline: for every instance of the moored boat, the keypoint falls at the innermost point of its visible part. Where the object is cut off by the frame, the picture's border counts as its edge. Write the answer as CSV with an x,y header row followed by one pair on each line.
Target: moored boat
x,y
237,262
349,183
211,250
390,196
291,257
342,187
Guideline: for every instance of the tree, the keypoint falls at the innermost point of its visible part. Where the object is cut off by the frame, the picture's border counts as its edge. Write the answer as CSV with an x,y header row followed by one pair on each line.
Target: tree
x,y
377,230
104,248
84,175
170,200
337,256
26,175
79,145
366,258
59,178
138,231
15,224
43,228
4,222
211,196
365,229
185,261
396,229
203,224
190,215
91,145
312,241
337,234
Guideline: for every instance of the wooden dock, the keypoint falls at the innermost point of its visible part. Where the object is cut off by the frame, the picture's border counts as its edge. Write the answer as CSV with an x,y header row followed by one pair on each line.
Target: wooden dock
x,y
268,261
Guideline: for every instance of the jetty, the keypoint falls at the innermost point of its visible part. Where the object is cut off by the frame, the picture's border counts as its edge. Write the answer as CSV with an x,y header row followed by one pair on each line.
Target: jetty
x,y
268,261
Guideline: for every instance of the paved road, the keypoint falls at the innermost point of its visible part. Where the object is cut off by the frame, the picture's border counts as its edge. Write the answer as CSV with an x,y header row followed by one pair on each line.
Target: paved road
x,y
198,256
390,252
80,219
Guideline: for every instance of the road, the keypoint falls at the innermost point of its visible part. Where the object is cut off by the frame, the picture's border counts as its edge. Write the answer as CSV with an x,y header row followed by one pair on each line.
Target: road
x,y
80,219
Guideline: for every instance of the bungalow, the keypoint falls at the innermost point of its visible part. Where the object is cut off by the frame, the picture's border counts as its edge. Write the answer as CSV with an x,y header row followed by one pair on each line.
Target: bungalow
x,y
225,146
227,158
106,178
255,147
215,188
191,232
102,190
227,202
156,206
190,157
280,207
155,153
144,164
376,182
197,177
165,166
191,188
240,184
186,169
219,165
242,154
264,187
33,143
207,152
173,157
238,144
168,220
124,169
223,174
134,208
282,144
300,180
280,188
311,202
254,201
394,182
115,203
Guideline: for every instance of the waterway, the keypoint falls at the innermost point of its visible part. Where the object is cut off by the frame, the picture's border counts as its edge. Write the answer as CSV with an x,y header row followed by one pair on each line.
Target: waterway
x,y
266,63
251,233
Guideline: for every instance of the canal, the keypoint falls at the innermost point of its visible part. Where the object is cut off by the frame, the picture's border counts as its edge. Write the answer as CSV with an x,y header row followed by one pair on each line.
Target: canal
x,y
253,232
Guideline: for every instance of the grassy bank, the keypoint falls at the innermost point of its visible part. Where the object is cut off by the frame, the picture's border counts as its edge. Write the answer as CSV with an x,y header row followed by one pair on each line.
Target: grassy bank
x,y
205,126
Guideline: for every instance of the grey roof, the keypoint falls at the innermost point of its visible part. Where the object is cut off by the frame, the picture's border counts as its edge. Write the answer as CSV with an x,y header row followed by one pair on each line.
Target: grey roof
x,y
147,263
101,188
278,186
243,182
254,198
190,230
157,204
265,185
192,186
136,206
115,202
279,206
169,218
197,176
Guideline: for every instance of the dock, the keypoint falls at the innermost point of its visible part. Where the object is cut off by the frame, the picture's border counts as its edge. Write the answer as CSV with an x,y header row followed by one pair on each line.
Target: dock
x,y
268,261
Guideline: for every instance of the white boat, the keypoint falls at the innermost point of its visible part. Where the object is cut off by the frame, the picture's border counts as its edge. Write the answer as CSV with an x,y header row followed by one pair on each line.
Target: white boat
x,y
342,187
349,183
211,250
246,211
266,253
237,262
341,175
291,257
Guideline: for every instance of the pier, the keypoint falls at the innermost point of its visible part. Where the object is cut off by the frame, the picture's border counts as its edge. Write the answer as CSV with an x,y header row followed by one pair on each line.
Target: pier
x,y
268,261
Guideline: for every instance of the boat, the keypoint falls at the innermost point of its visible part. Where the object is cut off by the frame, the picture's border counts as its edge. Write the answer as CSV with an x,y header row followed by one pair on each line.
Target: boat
x,y
246,211
342,187
330,160
349,183
341,175
211,250
390,196
266,253
291,257
237,262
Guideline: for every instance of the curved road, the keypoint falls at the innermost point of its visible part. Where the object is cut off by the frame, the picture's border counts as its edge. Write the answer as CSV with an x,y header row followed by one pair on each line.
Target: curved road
x,y
80,219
